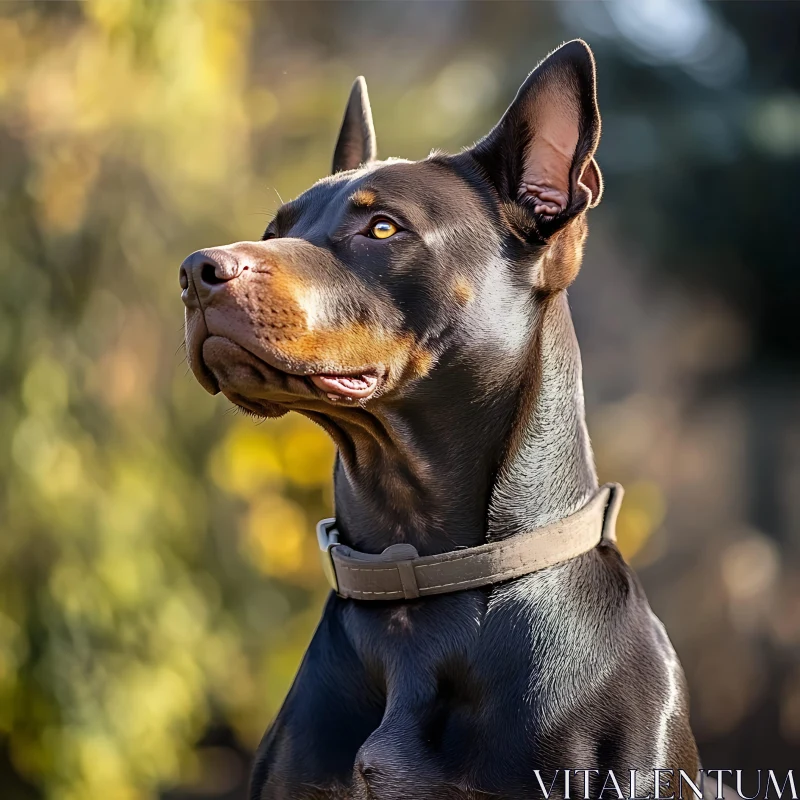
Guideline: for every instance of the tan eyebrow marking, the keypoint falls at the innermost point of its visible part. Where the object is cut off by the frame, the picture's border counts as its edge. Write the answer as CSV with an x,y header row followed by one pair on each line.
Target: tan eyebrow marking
x,y
363,197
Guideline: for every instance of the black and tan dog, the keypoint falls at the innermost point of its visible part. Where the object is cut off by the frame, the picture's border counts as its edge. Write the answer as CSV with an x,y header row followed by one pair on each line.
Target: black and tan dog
x,y
417,312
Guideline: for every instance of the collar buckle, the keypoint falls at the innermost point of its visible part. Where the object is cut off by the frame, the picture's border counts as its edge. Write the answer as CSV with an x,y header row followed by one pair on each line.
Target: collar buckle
x,y
328,538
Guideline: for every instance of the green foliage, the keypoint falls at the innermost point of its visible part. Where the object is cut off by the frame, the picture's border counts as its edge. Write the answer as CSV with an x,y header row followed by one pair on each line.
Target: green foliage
x,y
142,588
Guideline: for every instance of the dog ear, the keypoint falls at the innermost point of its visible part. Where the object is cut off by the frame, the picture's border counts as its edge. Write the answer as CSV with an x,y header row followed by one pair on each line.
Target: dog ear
x,y
541,153
356,144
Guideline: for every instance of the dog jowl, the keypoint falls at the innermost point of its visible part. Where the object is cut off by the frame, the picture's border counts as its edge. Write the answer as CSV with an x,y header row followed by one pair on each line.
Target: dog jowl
x,y
417,312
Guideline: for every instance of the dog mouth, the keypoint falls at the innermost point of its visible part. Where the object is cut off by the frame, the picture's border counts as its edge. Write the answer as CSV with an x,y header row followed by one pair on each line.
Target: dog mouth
x,y
346,387
250,378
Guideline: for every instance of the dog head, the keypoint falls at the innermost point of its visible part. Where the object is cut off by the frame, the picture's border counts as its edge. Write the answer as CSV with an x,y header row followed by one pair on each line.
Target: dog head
x,y
364,286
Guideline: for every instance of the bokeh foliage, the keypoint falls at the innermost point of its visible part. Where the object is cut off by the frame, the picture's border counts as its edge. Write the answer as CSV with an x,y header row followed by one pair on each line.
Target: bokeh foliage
x,y
142,591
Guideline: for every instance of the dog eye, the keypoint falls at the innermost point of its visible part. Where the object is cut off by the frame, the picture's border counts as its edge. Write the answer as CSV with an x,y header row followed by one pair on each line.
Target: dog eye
x,y
382,229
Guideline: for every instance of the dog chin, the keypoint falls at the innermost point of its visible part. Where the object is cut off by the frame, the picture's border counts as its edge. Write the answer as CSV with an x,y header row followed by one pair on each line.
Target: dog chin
x,y
257,408
245,379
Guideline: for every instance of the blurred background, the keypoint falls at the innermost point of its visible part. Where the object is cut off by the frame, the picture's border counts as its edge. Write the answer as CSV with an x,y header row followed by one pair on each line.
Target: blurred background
x,y
151,620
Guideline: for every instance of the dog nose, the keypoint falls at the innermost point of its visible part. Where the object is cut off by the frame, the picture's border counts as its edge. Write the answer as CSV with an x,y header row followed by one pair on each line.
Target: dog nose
x,y
206,269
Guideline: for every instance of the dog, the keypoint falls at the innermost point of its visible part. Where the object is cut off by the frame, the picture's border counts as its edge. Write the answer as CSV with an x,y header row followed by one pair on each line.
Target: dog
x,y
417,311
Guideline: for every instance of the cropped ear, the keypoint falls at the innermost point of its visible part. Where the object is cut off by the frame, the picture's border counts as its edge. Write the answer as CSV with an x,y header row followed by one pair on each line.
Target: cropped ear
x,y
356,144
541,153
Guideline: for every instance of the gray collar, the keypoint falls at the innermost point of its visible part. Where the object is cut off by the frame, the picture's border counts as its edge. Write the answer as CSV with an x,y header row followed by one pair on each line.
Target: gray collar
x,y
400,573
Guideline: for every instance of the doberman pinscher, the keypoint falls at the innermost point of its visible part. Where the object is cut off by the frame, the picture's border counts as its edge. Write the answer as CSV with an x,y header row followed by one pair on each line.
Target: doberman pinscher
x,y
417,311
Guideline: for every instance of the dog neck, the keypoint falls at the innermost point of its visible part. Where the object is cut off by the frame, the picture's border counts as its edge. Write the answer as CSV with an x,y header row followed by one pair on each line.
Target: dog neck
x,y
449,469
549,472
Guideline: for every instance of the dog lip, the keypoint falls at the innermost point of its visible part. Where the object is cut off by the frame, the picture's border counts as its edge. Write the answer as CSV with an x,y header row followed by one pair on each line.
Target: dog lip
x,y
273,359
349,382
203,375
355,387
354,384
206,378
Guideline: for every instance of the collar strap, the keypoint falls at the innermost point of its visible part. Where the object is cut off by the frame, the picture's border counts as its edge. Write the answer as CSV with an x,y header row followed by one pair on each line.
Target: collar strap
x,y
400,573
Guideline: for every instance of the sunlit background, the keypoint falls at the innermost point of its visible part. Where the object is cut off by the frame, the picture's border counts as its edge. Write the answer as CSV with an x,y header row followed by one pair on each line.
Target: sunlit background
x,y
158,574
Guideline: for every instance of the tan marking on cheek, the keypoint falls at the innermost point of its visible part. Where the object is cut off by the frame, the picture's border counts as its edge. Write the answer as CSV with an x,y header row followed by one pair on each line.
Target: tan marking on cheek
x,y
462,290
563,258
363,197
352,346
357,345
420,363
